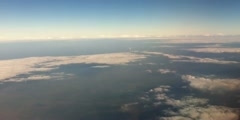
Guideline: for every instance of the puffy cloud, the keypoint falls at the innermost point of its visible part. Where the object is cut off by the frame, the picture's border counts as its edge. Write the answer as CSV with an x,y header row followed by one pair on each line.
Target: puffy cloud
x,y
185,108
165,71
216,50
204,113
161,89
210,113
161,95
186,101
192,108
212,85
162,71
182,58
14,67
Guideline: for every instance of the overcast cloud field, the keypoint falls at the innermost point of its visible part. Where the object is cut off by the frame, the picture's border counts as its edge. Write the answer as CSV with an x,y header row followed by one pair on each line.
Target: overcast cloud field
x,y
119,80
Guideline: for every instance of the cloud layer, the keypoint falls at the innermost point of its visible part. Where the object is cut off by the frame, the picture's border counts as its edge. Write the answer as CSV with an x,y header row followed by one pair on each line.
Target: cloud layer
x,y
56,76
14,67
216,50
182,58
212,85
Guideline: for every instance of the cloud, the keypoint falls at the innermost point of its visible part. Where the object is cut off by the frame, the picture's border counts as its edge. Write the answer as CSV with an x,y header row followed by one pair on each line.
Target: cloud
x,y
184,108
148,71
204,113
161,95
205,38
151,63
216,50
166,71
174,118
210,113
100,66
14,67
129,107
186,101
34,77
212,85
182,58
56,76
191,108
162,88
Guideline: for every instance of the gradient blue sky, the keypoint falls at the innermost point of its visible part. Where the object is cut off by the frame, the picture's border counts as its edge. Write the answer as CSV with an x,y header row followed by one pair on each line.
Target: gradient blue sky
x,y
65,19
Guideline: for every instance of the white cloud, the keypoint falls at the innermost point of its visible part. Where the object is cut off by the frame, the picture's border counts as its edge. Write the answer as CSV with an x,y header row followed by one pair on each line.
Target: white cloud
x,y
185,108
210,113
212,85
216,50
186,101
148,71
174,118
56,76
192,108
205,38
14,67
151,63
161,95
101,66
162,88
165,71
182,58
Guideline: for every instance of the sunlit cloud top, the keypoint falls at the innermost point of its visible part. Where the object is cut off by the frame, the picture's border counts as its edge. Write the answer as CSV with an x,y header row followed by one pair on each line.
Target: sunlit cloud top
x,y
69,19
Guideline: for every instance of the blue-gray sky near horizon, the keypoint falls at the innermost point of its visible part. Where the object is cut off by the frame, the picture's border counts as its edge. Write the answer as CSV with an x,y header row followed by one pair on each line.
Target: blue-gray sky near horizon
x,y
63,19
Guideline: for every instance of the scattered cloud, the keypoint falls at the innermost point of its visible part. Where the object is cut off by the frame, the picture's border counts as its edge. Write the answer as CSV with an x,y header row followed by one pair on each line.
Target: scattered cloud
x,y
161,89
148,71
182,58
209,112
184,108
161,95
191,108
14,67
166,71
212,85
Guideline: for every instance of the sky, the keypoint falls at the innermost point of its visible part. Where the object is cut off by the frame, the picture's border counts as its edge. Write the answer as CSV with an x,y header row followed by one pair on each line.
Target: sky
x,y
72,19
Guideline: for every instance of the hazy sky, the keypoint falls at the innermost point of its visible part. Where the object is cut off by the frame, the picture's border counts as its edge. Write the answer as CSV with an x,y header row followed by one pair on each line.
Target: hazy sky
x,y
45,19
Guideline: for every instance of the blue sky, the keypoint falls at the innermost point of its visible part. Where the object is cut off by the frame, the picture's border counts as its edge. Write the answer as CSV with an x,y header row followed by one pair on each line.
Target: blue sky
x,y
45,19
